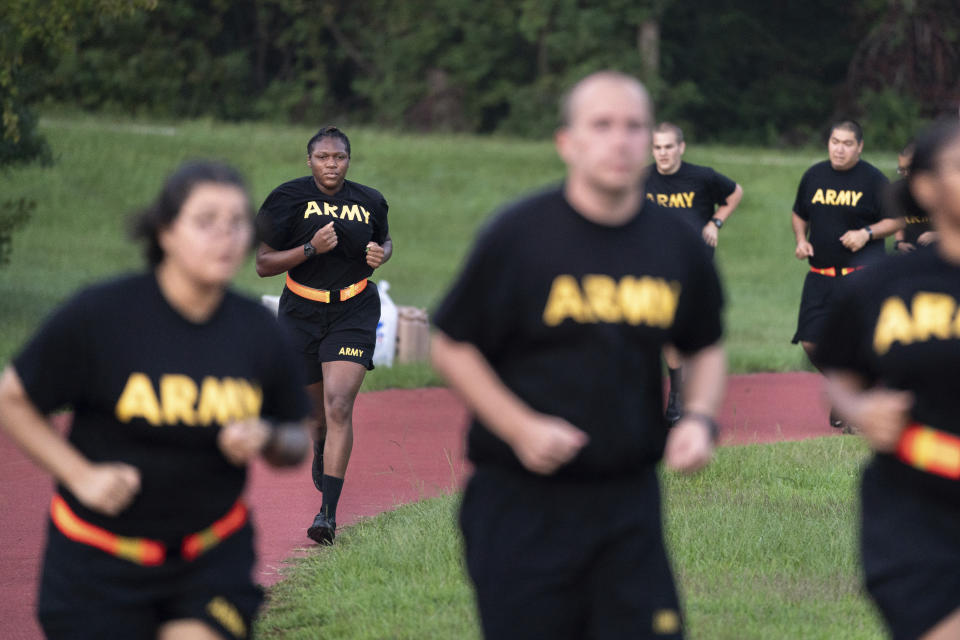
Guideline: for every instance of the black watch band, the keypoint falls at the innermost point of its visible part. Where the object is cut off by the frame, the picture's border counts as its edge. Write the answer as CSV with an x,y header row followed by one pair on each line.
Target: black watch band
x,y
710,423
869,231
309,250
718,222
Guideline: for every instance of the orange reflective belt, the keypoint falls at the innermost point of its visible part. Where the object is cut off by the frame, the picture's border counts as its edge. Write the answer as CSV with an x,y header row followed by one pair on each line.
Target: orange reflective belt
x,y
930,450
832,271
145,551
323,295
201,541
140,550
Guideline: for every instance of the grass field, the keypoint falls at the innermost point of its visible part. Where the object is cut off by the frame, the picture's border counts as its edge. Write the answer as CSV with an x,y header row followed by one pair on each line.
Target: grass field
x,y
763,541
440,188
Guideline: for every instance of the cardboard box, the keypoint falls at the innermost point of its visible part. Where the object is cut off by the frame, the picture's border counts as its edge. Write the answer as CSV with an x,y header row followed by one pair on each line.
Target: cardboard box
x,y
413,335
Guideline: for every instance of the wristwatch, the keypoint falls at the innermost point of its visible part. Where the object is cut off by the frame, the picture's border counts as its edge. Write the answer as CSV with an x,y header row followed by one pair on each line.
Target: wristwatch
x,y
718,222
309,250
869,232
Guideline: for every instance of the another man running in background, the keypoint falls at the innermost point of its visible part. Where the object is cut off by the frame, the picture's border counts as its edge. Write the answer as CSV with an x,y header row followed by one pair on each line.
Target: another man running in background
x,y
702,197
839,223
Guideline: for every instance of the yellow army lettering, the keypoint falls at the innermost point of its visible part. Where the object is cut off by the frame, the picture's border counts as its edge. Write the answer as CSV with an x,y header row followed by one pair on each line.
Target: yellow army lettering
x,y
683,200
931,315
180,402
227,615
845,197
644,300
351,351
916,219
347,212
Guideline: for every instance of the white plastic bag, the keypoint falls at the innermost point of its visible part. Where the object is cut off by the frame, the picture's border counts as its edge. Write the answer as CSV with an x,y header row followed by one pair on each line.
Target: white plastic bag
x,y
271,302
386,328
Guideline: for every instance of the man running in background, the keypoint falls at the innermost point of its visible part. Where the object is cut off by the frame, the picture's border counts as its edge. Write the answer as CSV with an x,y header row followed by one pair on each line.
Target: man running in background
x,y
700,196
839,224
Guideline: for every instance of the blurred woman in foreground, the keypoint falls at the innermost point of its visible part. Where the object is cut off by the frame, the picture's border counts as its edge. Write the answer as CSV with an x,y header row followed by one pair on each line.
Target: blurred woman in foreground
x,y
175,383
892,351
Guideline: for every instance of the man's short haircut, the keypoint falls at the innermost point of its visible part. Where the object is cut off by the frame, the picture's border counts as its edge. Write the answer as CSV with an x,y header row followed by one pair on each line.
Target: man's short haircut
x,y
329,132
669,127
908,148
849,125
566,100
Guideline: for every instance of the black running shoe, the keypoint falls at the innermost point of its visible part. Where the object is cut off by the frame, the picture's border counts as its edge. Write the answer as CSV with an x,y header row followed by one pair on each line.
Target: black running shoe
x,y
835,420
318,464
674,408
323,530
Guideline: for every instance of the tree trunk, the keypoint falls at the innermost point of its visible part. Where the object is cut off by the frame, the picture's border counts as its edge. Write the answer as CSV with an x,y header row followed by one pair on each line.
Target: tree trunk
x,y
648,42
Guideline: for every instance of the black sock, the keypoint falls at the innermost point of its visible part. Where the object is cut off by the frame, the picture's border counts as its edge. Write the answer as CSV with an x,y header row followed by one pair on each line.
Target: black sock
x,y
331,496
676,379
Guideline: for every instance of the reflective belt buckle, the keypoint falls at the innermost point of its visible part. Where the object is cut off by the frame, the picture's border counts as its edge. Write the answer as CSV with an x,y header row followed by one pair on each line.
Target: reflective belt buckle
x,y
348,292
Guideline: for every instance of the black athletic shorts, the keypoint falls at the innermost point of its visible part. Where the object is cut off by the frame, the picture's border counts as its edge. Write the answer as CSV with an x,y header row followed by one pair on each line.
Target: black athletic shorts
x,y
815,302
324,332
89,594
568,560
910,549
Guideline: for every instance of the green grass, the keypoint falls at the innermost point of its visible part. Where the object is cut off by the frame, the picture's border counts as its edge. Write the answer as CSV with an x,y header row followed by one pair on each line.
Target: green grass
x,y
763,542
440,189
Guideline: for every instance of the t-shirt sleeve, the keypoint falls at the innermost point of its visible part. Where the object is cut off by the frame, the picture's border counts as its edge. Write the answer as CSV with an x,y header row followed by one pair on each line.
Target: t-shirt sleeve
x,y
841,345
55,363
881,193
273,221
799,203
476,307
381,228
284,395
699,318
720,187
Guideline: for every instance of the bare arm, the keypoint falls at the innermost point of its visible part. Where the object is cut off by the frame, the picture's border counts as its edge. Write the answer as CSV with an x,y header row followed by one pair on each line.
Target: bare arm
x,y
690,443
804,249
710,231
733,201
105,487
880,414
282,445
542,443
856,239
378,254
271,262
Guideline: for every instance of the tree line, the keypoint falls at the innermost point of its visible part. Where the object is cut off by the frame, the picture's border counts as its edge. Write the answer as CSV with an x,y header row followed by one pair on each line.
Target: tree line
x,y
736,71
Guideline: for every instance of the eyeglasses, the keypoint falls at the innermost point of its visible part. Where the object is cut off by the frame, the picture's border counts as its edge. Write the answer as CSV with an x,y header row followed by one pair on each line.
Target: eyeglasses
x,y
903,171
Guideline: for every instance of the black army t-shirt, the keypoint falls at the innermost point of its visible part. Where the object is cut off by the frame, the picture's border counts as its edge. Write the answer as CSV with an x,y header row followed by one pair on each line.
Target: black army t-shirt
x,y
918,220
152,389
897,325
572,315
693,192
295,210
834,202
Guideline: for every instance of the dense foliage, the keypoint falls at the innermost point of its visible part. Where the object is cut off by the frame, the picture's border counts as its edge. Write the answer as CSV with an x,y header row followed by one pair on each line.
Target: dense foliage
x,y
731,70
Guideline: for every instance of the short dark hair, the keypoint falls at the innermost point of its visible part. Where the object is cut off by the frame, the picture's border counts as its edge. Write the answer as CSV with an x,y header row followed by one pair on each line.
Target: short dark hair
x,y
328,132
926,148
669,127
908,149
848,125
146,224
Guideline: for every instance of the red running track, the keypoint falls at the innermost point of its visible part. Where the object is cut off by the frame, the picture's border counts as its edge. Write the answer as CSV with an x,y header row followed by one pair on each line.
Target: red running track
x,y
408,445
